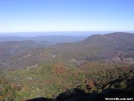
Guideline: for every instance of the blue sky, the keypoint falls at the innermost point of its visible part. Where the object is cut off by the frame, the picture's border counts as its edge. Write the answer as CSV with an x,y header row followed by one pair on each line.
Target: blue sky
x,y
66,15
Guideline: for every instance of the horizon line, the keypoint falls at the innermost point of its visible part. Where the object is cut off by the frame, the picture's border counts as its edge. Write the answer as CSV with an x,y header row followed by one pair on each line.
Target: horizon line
x,y
63,31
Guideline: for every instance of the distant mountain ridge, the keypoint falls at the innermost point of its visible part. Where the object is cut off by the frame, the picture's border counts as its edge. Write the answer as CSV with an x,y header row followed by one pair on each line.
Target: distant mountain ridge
x,y
51,39
113,47
111,36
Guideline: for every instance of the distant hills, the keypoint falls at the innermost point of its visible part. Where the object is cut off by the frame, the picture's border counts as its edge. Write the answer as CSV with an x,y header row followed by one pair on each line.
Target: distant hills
x,y
49,39
100,47
14,47
114,47
117,44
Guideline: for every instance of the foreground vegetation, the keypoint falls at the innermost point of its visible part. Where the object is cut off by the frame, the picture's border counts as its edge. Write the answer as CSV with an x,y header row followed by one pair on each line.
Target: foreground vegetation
x,y
52,78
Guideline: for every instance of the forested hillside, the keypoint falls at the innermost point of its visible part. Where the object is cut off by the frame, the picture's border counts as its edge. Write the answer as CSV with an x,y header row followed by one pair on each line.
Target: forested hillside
x,y
99,66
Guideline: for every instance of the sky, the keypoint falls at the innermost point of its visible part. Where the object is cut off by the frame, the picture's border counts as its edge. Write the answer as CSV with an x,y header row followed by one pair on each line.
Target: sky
x,y
66,15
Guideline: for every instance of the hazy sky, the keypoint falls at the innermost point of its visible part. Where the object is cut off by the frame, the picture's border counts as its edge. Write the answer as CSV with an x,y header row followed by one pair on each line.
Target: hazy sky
x,y
66,15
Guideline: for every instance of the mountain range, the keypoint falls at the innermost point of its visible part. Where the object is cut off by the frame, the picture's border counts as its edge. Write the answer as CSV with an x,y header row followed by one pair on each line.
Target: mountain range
x,y
31,69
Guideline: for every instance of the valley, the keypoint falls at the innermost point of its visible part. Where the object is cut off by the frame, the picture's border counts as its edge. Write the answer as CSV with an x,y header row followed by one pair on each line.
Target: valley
x,y
33,69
